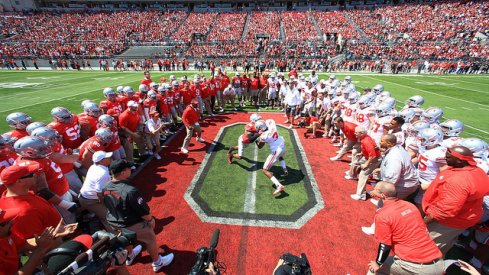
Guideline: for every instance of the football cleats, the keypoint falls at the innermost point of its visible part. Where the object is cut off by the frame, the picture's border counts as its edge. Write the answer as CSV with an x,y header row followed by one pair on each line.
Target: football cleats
x,y
143,88
353,98
33,126
260,125
478,147
109,93
50,136
416,127
18,120
152,95
432,115
104,135
452,127
255,117
106,121
32,147
61,115
407,114
379,88
415,101
430,137
383,110
92,109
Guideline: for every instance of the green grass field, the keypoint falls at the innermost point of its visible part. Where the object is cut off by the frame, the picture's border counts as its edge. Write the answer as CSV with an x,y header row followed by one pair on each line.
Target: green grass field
x,y
36,92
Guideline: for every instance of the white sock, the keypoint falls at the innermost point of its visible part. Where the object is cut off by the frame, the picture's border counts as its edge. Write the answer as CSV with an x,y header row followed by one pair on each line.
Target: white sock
x,y
275,181
282,162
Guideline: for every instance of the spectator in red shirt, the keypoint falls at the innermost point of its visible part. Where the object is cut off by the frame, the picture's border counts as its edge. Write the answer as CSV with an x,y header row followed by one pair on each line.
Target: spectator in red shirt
x,y
364,163
400,228
348,130
453,202
131,127
190,119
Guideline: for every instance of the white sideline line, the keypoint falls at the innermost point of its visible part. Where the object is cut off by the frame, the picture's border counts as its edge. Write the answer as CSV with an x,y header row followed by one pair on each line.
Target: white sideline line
x,y
250,197
450,108
51,100
428,92
453,85
468,109
487,109
451,77
471,127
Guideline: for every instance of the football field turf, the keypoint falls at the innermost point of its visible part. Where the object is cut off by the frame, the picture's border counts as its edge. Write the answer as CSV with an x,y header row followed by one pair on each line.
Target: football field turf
x,y
464,97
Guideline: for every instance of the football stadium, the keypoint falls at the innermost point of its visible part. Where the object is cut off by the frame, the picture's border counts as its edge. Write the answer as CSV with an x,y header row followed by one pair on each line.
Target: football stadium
x,y
244,137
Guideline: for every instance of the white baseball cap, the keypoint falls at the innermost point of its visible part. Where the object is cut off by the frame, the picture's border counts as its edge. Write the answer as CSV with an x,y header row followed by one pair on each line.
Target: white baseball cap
x,y
100,155
132,103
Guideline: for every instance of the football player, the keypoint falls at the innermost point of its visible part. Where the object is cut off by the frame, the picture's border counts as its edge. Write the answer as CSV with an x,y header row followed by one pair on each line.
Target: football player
x,y
110,101
19,122
269,135
250,135
479,148
66,124
381,122
99,142
88,120
451,129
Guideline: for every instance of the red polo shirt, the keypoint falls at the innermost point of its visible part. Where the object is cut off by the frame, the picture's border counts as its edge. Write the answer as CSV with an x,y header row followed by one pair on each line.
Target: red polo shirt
x,y
9,256
130,120
399,224
190,116
349,130
369,147
455,196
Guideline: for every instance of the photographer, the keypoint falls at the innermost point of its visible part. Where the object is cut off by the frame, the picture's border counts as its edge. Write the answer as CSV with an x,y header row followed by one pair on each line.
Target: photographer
x,y
289,264
127,209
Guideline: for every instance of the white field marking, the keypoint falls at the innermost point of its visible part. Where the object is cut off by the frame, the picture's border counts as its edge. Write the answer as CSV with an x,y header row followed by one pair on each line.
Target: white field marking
x,y
487,109
436,83
250,197
451,77
51,100
465,108
428,92
480,130
450,108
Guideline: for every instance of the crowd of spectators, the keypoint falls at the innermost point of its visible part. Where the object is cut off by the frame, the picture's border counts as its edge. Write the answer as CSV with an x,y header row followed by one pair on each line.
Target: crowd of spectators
x,y
229,26
299,27
200,23
265,23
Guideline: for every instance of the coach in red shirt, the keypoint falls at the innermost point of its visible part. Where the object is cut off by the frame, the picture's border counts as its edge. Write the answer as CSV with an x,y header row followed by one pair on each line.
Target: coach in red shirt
x,y
348,129
190,119
400,228
147,79
131,128
453,202
364,163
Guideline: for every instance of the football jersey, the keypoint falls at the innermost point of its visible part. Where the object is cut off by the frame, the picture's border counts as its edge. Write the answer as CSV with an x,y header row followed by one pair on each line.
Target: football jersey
x,y
450,142
88,121
428,162
105,105
349,113
65,167
69,131
378,130
93,145
17,134
6,160
400,137
57,182
249,134
115,143
272,138
272,85
482,164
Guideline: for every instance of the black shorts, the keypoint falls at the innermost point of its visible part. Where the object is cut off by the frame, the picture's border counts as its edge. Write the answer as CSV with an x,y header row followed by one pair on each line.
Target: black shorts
x,y
291,110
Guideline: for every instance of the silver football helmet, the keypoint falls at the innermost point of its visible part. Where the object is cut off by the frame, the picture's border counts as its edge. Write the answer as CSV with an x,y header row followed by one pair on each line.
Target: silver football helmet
x,y
104,135
353,98
109,93
390,101
120,89
128,91
33,126
61,115
5,146
379,88
415,101
416,127
363,101
162,89
143,88
152,95
452,127
50,136
106,121
255,117
383,110
478,147
383,95
153,85
32,147
430,137
407,114
92,109
18,120
85,102
348,79
432,115
172,78
261,125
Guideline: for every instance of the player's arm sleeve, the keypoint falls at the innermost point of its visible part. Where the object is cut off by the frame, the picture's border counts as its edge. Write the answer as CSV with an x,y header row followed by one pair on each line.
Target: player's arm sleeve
x,y
382,253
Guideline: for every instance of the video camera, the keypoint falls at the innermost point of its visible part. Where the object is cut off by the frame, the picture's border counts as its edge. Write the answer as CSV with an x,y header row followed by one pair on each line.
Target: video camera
x,y
299,265
96,260
205,256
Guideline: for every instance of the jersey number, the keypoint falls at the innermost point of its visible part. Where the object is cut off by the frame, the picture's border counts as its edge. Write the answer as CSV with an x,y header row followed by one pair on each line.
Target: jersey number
x,y
73,133
422,163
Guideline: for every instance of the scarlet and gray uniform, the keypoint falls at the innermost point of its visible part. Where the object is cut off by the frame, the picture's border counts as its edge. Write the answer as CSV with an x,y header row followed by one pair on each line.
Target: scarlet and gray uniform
x,y
249,136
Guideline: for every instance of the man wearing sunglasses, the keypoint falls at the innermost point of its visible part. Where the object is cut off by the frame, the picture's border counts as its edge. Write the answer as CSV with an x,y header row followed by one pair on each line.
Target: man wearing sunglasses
x,y
453,201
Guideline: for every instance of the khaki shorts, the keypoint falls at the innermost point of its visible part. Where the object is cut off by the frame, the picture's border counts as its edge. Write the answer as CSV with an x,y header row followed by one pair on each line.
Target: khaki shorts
x,y
144,232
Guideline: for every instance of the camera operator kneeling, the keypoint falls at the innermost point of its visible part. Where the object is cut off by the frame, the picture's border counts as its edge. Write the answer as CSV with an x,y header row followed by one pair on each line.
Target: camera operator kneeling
x,y
127,209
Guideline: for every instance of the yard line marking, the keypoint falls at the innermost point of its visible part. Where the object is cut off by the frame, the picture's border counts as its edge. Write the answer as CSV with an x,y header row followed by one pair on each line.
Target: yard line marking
x,y
453,85
451,77
250,197
51,100
465,108
428,92
450,108
471,127
484,108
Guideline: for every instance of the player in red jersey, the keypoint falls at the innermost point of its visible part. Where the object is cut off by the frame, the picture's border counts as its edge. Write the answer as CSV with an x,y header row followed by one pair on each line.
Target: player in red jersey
x,y
115,146
149,104
128,94
177,98
7,157
99,142
66,124
88,120
110,101
19,122
250,135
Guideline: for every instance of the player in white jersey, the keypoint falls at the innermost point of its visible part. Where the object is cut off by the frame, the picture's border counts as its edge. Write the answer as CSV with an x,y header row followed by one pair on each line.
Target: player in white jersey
x,y
330,82
272,90
431,157
383,119
270,135
321,87
407,115
395,128
411,142
309,97
351,107
479,149
250,135
451,129
364,112
414,102
433,115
